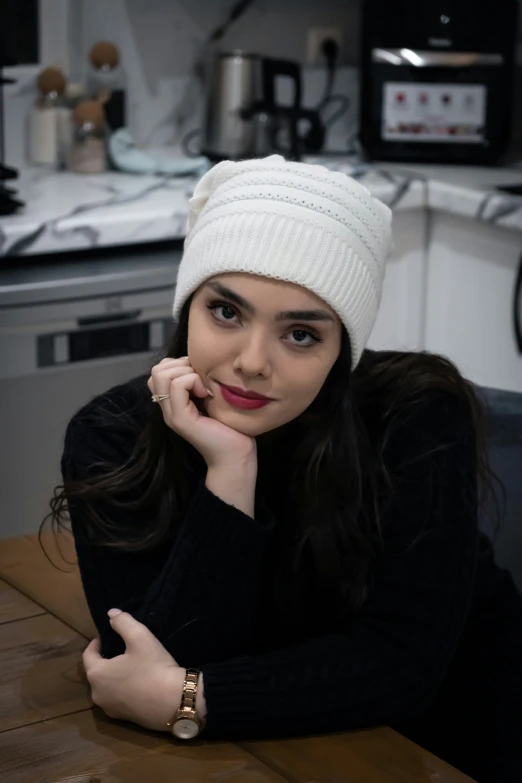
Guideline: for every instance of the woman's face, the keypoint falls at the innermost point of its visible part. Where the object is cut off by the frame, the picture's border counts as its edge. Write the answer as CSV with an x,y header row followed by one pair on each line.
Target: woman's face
x,y
259,335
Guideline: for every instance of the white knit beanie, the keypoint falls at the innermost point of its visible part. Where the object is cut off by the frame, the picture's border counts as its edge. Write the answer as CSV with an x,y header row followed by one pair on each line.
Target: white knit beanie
x,y
290,221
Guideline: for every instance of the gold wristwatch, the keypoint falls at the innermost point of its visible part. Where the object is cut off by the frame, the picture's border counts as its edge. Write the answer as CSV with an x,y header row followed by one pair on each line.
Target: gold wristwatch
x,y
186,724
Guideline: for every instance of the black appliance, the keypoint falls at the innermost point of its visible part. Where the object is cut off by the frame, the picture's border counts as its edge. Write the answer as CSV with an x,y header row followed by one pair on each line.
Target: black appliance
x,y
437,79
18,46
243,118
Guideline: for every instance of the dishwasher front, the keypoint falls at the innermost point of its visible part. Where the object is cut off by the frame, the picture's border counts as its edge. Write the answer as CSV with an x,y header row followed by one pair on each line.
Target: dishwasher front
x,y
67,333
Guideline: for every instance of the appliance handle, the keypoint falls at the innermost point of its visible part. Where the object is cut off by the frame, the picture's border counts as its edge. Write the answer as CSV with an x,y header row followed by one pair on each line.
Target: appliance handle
x,y
427,59
274,68
99,320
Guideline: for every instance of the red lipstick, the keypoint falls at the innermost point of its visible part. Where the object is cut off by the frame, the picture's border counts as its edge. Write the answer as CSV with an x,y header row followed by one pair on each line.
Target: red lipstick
x,y
242,398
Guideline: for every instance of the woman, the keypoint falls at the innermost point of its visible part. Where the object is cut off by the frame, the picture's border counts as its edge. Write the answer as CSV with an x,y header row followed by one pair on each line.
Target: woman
x,y
289,516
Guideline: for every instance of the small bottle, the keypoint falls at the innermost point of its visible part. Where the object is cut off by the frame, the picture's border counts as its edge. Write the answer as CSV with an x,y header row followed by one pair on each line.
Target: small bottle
x,y
45,146
74,93
107,79
88,150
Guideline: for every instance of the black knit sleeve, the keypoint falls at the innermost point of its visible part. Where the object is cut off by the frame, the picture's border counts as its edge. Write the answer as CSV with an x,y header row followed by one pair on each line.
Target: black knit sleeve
x,y
388,664
197,597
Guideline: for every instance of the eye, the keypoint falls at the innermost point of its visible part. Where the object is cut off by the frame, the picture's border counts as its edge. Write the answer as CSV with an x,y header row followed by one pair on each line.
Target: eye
x,y
304,338
228,313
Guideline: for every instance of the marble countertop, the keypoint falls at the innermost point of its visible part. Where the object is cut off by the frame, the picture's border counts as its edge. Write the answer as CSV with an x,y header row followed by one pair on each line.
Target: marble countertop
x,y
66,211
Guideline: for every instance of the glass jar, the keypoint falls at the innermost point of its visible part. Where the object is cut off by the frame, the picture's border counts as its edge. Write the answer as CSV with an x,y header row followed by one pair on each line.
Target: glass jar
x,y
88,149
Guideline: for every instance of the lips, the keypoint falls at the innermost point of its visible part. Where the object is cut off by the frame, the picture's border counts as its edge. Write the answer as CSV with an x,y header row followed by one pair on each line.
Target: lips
x,y
249,395
238,398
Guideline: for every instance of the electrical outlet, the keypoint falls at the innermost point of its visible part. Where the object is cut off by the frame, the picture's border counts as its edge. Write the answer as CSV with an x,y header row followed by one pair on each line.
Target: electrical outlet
x,y
316,36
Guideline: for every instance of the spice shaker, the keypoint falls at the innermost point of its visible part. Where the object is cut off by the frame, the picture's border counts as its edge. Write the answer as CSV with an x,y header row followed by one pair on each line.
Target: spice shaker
x,y
88,150
48,113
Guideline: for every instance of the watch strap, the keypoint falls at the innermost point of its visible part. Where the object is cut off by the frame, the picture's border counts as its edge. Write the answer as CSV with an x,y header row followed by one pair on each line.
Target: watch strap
x,y
187,707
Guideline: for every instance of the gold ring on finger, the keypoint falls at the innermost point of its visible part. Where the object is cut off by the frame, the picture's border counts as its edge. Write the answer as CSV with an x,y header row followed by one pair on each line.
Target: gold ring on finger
x,y
159,397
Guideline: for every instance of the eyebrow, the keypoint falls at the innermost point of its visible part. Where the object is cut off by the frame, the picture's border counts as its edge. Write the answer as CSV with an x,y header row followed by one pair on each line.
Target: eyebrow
x,y
286,315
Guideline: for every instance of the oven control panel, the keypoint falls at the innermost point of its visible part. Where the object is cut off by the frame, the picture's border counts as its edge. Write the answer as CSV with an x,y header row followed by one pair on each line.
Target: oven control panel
x,y
427,112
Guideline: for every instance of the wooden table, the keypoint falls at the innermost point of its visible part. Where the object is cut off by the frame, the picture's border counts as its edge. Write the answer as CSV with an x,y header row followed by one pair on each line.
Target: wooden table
x,y
50,731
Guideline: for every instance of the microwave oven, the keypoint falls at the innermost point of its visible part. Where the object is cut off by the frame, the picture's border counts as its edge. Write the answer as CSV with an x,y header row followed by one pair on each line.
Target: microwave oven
x,y
437,79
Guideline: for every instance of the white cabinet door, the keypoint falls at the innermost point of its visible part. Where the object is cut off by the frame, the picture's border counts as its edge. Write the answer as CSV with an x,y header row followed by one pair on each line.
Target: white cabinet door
x,y
469,299
400,322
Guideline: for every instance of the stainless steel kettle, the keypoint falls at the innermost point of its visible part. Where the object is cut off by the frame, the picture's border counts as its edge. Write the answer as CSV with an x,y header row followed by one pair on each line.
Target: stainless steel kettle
x,y
242,118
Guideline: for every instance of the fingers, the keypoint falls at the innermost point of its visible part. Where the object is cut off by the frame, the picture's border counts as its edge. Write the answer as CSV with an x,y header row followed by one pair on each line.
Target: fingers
x,y
177,379
168,371
91,654
165,371
161,383
130,629
180,390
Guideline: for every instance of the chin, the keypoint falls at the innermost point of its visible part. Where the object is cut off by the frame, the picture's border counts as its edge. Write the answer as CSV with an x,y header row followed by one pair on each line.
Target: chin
x,y
246,423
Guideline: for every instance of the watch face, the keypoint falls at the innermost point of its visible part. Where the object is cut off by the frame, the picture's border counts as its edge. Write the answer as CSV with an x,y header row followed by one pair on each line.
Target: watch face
x,y
185,728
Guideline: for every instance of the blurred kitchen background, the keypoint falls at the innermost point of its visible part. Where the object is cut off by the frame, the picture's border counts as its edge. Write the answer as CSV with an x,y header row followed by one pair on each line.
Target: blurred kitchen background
x,y
113,110
163,43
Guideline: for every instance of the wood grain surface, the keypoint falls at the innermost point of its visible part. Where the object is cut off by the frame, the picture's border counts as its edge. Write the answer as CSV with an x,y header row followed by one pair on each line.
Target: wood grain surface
x,y
15,606
55,585
39,671
377,755
89,747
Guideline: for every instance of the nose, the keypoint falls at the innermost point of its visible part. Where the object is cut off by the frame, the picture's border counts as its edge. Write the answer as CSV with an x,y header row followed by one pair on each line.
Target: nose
x,y
252,358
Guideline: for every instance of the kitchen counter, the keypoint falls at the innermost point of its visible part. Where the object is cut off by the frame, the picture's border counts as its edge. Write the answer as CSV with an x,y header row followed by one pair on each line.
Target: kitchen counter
x,y
466,191
67,211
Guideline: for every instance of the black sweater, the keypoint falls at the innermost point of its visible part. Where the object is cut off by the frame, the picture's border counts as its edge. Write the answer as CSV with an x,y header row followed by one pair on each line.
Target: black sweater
x,y
425,654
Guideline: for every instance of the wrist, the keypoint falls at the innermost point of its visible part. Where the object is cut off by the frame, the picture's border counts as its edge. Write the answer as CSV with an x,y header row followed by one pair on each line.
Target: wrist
x,y
235,485
173,694
241,474
246,463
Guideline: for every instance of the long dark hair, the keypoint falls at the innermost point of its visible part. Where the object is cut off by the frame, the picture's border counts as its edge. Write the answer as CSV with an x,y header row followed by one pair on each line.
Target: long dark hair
x,y
328,483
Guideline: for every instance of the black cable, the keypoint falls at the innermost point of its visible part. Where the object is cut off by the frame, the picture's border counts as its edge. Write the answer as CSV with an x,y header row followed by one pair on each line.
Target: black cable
x,y
314,140
330,75
345,105
330,50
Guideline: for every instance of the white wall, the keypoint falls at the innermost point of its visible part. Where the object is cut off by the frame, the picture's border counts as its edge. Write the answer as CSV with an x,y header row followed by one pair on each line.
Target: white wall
x,y
161,41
